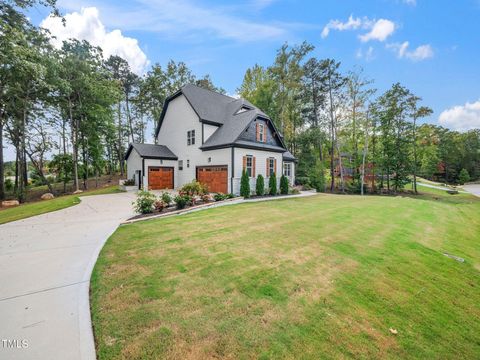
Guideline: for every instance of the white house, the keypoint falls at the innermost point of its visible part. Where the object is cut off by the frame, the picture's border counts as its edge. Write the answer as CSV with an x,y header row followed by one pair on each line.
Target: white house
x,y
210,137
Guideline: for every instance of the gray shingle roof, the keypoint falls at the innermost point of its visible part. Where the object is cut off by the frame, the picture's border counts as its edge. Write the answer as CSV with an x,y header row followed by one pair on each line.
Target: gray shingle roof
x,y
152,151
219,109
288,156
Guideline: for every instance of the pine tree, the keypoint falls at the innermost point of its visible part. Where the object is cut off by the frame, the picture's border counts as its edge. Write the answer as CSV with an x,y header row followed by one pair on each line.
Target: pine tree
x,y
272,184
260,186
284,185
245,185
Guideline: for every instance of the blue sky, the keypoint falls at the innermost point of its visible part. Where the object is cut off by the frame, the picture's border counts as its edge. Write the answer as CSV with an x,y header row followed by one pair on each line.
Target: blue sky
x,y
430,46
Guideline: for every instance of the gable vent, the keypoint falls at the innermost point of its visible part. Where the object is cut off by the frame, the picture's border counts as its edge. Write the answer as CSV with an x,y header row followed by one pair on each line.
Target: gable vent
x,y
243,109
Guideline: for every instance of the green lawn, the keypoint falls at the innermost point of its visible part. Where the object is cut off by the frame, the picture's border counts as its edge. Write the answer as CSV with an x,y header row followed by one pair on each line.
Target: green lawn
x,y
44,206
319,277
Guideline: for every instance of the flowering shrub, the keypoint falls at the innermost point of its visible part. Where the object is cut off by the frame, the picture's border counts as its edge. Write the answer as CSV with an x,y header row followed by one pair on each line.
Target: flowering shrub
x,y
182,201
158,205
144,202
167,198
193,188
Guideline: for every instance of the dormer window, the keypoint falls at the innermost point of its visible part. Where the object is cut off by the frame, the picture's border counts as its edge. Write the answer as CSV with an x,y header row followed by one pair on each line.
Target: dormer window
x,y
191,137
261,132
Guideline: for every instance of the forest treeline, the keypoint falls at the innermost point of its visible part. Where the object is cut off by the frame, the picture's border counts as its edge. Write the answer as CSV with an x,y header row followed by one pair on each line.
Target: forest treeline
x,y
84,109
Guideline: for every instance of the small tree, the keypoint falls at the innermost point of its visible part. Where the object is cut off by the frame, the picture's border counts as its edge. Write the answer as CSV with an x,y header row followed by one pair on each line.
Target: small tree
x,y
318,177
245,185
260,186
272,184
284,185
463,177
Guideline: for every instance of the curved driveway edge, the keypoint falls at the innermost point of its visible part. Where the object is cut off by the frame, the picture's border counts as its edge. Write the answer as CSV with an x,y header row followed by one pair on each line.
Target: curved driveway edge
x,y
45,264
473,189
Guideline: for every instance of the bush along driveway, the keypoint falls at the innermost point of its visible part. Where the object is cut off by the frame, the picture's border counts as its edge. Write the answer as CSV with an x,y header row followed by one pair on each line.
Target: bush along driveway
x,y
46,262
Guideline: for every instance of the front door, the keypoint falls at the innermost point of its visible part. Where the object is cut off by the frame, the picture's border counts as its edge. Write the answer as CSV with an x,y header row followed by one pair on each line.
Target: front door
x,y
160,178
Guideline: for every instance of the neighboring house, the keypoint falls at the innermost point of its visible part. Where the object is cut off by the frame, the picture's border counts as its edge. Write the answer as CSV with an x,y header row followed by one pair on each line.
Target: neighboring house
x,y
212,138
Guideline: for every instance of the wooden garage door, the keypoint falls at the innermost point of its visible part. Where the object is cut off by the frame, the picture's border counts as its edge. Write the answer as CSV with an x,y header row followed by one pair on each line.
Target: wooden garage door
x,y
160,178
214,177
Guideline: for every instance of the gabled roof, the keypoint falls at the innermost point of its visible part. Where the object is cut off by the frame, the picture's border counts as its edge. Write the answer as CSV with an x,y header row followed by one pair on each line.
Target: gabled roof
x,y
151,151
221,110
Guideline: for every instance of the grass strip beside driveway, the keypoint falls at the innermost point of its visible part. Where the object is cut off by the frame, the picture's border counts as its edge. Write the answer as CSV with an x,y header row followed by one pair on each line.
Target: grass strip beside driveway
x,y
44,206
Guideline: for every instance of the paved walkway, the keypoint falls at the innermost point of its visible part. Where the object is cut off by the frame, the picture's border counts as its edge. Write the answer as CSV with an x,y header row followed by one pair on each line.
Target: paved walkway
x,y
473,189
45,267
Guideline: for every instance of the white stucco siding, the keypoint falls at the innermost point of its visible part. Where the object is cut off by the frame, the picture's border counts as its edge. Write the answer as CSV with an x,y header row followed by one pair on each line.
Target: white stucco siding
x,y
260,166
208,131
134,164
179,119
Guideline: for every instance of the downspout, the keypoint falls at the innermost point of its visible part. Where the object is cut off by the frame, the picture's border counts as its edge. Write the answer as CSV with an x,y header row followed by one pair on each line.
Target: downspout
x,y
143,171
233,169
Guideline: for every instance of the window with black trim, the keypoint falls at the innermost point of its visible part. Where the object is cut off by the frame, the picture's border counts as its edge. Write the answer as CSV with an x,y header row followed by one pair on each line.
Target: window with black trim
x,y
191,137
261,132
249,165
271,166
180,164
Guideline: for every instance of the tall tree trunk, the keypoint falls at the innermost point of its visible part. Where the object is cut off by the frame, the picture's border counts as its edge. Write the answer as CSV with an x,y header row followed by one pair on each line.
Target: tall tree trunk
x,y
355,144
74,124
332,130
129,119
365,150
119,145
415,155
2,167
64,137
374,154
85,163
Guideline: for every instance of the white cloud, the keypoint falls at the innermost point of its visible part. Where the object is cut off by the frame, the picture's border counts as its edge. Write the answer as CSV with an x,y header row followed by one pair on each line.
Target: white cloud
x,y
461,117
350,24
381,29
422,52
410,2
87,25
368,55
187,20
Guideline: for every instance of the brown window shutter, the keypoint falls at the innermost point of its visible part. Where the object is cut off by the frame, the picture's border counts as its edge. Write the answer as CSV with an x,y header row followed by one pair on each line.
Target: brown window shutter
x,y
253,166
244,162
267,174
265,132
275,166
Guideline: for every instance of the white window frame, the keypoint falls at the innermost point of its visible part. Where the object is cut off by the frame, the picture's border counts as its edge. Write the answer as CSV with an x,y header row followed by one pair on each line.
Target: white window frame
x,y
271,166
249,167
261,132
191,137
188,163
287,169
180,165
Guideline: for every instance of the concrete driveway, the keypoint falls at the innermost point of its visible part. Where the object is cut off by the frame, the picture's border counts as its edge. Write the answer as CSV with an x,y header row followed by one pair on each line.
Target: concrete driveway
x,y
45,266
473,189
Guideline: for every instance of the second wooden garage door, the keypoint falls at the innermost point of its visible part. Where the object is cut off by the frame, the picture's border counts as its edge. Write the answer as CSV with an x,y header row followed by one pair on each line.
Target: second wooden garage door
x,y
214,177
160,178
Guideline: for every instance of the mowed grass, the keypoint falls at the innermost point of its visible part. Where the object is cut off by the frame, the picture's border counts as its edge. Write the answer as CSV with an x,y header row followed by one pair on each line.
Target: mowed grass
x,y
307,278
44,206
